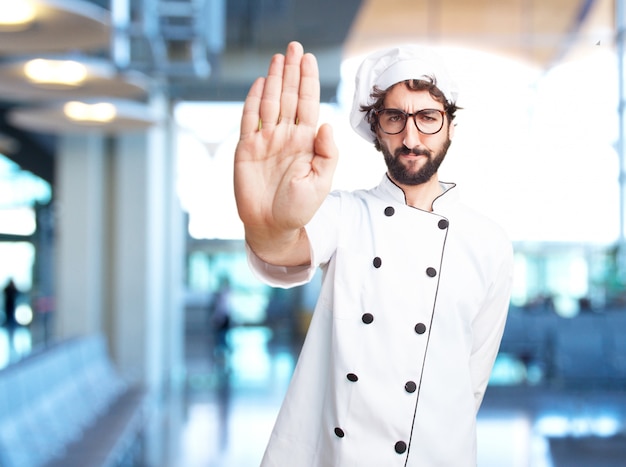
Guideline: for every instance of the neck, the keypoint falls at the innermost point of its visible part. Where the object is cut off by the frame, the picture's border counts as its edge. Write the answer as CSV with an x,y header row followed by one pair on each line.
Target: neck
x,y
422,196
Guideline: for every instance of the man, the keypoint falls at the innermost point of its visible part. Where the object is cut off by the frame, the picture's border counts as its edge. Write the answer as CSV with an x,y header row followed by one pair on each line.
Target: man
x,y
10,302
416,285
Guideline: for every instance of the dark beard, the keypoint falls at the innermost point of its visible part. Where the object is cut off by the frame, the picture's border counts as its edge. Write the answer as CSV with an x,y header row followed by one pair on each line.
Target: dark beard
x,y
403,175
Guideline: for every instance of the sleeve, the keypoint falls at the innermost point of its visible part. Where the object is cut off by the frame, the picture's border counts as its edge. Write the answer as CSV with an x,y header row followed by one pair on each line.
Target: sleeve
x,y
323,234
488,325
279,276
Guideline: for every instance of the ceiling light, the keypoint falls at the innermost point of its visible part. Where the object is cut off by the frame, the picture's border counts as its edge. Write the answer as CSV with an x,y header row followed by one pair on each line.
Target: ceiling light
x,y
101,112
55,73
17,16
110,116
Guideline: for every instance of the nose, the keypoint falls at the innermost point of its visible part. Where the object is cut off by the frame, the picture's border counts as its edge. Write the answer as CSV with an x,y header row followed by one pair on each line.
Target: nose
x,y
412,136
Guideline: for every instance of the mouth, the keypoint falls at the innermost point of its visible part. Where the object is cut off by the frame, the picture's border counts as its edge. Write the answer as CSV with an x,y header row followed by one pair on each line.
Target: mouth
x,y
412,157
408,154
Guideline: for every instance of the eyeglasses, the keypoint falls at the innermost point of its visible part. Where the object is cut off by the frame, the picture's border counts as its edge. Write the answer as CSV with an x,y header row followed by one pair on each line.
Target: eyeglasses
x,y
427,121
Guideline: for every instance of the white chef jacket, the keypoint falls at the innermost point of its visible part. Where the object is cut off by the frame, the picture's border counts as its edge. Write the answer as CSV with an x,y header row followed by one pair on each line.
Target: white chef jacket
x,y
404,335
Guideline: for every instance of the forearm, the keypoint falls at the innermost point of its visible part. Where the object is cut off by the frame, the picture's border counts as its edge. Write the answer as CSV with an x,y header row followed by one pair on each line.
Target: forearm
x,y
279,248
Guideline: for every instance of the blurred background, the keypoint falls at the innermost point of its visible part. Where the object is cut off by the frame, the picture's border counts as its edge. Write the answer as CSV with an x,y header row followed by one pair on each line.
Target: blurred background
x,y
118,122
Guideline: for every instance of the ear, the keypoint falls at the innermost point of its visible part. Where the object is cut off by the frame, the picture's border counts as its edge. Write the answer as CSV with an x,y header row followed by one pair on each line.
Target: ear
x,y
451,128
377,143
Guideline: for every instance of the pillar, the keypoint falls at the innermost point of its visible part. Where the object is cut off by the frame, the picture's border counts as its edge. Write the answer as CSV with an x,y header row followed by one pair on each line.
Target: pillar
x,y
79,207
120,248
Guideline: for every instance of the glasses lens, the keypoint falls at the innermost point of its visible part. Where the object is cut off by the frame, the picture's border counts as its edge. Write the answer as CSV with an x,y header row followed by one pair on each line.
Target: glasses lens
x,y
429,121
392,121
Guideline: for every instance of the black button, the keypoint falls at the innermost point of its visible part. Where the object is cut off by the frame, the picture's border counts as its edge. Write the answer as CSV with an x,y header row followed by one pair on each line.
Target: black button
x,y
367,318
443,224
389,211
339,432
400,447
352,377
431,272
420,328
377,262
410,387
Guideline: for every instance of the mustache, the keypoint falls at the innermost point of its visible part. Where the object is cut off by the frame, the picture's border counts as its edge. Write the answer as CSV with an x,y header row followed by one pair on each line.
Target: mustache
x,y
403,151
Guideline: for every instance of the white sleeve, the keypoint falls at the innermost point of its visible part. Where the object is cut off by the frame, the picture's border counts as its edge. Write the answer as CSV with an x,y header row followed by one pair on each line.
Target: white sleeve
x,y
488,326
279,276
322,231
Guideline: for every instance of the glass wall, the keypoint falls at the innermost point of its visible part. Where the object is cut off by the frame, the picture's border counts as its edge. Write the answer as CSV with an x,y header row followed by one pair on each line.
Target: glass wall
x,y
23,198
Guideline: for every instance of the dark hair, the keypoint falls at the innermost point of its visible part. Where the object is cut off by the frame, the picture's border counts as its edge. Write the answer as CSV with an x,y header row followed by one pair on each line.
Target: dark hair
x,y
378,96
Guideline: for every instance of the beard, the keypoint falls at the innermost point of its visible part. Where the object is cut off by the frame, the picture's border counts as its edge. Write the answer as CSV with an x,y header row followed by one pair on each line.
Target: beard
x,y
405,173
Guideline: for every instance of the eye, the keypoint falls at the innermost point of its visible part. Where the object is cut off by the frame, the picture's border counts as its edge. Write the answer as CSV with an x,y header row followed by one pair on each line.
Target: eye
x,y
394,116
429,116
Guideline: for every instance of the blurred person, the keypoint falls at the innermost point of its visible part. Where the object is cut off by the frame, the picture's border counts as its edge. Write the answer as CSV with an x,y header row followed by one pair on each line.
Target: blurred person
x,y
416,285
11,293
220,324
220,315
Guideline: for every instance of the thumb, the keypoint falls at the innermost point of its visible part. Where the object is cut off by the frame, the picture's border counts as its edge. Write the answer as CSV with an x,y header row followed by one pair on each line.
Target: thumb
x,y
326,152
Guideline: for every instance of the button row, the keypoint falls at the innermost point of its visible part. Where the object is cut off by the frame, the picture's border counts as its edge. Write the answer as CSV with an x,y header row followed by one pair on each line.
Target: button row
x,y
442,224
368,318
409,386
377,262
400,447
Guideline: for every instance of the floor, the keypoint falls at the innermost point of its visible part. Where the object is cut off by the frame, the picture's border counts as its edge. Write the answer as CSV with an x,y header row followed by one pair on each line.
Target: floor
x,y
231,400
229,411
223,413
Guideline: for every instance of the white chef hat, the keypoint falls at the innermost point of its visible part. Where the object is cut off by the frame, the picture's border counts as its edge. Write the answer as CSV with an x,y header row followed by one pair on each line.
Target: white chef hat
x,y
390,66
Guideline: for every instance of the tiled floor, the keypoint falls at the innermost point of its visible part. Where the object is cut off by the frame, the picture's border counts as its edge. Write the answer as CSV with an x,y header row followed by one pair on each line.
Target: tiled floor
x,y
519,426
222,414
231,402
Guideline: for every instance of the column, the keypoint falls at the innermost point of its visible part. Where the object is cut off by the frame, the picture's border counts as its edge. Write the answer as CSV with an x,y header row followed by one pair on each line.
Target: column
x,y
79,209
146,255
120,248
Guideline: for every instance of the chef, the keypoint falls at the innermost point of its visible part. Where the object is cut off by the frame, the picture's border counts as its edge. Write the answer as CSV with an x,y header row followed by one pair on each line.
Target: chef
x,y
415,287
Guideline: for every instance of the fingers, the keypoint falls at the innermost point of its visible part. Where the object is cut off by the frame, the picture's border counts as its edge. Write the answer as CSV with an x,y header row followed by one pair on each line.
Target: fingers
x,y
251,108
300,97
270,100
291,83
308,107
290,93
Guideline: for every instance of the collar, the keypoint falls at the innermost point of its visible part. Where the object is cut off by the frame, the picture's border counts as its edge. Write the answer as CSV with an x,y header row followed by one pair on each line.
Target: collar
x,y
389,190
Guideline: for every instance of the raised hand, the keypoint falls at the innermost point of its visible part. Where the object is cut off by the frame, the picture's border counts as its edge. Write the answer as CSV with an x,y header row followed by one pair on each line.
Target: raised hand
x,y
283,163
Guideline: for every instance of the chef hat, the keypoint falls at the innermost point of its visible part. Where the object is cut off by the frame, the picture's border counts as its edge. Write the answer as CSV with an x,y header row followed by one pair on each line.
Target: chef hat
x,y
390,66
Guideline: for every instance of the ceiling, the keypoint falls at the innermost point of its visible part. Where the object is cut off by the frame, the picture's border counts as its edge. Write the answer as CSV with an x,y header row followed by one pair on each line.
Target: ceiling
x,y
215,55
542,32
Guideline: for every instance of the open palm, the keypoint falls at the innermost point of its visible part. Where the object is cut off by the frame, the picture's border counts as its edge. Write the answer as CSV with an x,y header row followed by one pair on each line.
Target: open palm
x,y
283,163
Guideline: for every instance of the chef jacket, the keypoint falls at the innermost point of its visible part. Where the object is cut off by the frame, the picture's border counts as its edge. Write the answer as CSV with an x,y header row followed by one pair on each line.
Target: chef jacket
x,y
403,338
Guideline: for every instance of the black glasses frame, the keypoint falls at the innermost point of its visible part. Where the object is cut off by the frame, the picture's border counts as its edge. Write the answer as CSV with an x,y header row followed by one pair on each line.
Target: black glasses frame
x,y
407,115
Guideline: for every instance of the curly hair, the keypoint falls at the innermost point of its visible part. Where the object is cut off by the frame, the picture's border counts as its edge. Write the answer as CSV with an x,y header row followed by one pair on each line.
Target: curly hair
x,y
378,96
